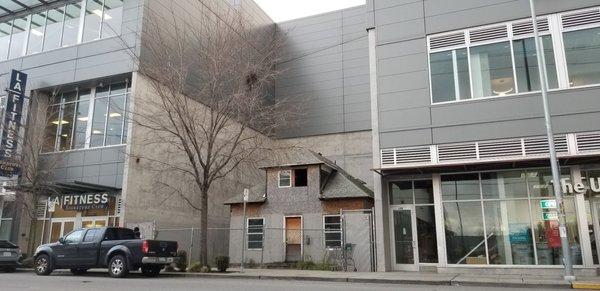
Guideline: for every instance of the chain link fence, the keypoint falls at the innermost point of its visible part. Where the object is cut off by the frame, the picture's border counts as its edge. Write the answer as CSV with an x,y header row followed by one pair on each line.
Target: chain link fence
x,y
345,242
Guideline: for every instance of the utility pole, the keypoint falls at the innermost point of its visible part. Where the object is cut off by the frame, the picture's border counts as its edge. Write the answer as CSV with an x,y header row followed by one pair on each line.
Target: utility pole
x,y
562,220
246,194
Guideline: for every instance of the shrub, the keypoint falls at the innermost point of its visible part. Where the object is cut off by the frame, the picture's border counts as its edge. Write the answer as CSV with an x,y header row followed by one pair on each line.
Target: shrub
x,y
195,268
181,263
305,265
222,263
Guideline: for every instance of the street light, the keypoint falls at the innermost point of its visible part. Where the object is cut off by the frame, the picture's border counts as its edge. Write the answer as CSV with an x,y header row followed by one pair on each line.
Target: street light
x,y
562,220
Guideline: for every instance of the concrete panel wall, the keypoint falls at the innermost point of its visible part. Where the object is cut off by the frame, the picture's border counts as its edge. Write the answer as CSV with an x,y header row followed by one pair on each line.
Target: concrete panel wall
x,y
325,73
96,59
406,115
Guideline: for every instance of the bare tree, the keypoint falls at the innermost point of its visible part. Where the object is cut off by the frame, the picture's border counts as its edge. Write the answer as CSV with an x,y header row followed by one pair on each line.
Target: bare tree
x,y
212,109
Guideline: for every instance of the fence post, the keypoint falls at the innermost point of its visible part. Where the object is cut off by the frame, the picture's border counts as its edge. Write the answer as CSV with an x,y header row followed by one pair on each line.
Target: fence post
x,y
191,247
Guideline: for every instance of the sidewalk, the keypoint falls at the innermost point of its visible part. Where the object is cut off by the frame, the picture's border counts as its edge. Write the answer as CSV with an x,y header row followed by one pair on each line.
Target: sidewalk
x,y
404,278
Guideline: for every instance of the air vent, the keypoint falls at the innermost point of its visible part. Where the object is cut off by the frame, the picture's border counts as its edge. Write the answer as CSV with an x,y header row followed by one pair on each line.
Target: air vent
x,y
387,157
413,155
539,145
498,32
588,142
40,210
524,28
446,40
581,18
465,151
500,148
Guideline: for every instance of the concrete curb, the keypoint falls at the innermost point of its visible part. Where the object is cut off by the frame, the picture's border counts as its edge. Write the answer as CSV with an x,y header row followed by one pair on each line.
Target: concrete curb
x,y
454,281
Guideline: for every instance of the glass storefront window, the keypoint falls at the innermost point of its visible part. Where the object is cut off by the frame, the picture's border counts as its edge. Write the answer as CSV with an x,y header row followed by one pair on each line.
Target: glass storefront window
x,y
54,25
526,64
502,185
113,15
5,30
491,70
582,49
401,193
93,20
19,37
426,234
6,219
36,33
509,232
464,233
71,27
460,187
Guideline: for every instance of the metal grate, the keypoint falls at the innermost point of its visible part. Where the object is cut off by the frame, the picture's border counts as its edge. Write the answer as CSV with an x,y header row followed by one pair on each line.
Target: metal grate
x,y
452,152
539,145
491,33
413,155
388,157
524,28
589,141
500,148
447,40
581,18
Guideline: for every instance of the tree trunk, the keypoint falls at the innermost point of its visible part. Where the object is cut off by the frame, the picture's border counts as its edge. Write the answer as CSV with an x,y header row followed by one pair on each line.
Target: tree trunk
x,y
204,229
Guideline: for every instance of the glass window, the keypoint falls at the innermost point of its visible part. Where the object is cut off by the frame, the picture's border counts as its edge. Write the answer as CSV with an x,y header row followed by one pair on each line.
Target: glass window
x,y
582,49
547,235
74,237
71,27
113,16
526,64
460,187
19,37
255,233
284,178
401,192
540,182
66,127
509,237
99,122
464,233
93,19
51,128
449,75
54,25
5,30
427,238
90,235
423,191
333,231
81,120
36,33
491,69
114,127
502,185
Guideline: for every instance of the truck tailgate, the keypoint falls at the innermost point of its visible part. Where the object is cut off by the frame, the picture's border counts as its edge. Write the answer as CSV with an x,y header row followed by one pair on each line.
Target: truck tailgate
x,y
160,248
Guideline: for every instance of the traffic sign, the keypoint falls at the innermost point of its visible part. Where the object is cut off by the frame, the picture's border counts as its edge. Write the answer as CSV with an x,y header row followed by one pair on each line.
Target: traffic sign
x,y
548,204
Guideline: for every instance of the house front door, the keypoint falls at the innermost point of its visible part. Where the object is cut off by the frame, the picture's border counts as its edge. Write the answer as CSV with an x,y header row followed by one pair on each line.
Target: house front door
x,y
293,239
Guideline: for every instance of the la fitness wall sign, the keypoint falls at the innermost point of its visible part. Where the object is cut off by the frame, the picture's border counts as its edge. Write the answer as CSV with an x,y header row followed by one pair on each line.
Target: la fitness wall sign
x,y
78,202
569,187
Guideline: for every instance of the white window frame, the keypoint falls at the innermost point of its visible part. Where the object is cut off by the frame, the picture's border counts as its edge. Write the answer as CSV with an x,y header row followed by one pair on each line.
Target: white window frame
x,y
248,233
326,231
289,172
555,29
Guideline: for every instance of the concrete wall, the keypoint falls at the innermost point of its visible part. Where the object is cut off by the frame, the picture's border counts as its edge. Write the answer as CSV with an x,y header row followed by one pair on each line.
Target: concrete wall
x,y
325,73
406,116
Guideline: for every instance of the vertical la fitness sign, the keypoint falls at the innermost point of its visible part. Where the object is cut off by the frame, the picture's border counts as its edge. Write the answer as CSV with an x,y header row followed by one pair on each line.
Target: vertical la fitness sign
x,y
9,164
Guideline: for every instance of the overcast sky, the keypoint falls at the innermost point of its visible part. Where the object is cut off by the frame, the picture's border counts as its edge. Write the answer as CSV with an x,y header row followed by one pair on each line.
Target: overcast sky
x,y
282,10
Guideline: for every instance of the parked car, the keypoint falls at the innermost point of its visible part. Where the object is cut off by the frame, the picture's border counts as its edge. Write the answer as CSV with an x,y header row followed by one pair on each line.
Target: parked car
x,y
9,256
118,249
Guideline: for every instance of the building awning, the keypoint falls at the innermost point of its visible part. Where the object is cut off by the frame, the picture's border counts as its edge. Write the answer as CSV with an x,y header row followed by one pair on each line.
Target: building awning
x,y
83,187
12,7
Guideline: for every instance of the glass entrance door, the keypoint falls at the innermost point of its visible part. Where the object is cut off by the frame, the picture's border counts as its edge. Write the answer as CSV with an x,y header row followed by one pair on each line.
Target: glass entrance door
x,y
404,244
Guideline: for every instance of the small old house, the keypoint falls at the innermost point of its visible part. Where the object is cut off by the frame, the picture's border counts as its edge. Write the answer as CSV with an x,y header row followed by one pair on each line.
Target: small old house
x,y
296,213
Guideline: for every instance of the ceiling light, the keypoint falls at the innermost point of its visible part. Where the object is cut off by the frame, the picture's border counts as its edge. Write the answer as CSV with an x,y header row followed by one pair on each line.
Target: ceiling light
x,y
57,122
83,118
107,17
95,131
114,114
97,12
37,32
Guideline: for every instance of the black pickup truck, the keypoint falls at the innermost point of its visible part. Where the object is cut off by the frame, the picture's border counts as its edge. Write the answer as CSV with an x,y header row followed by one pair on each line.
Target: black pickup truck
x,y
118,249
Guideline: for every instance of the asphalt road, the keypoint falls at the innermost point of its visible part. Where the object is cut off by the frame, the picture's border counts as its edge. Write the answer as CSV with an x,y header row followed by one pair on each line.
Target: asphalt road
x,y
21,281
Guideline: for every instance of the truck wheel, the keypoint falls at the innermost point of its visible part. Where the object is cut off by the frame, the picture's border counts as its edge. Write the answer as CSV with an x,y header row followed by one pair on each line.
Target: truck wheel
x,y
79,271
151,271
43,265
117,267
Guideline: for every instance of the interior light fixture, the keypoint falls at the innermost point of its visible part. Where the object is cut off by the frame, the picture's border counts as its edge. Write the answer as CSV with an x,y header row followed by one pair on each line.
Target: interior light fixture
x,y
83,118
57,122
95,131
37,32
97,12
114,114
